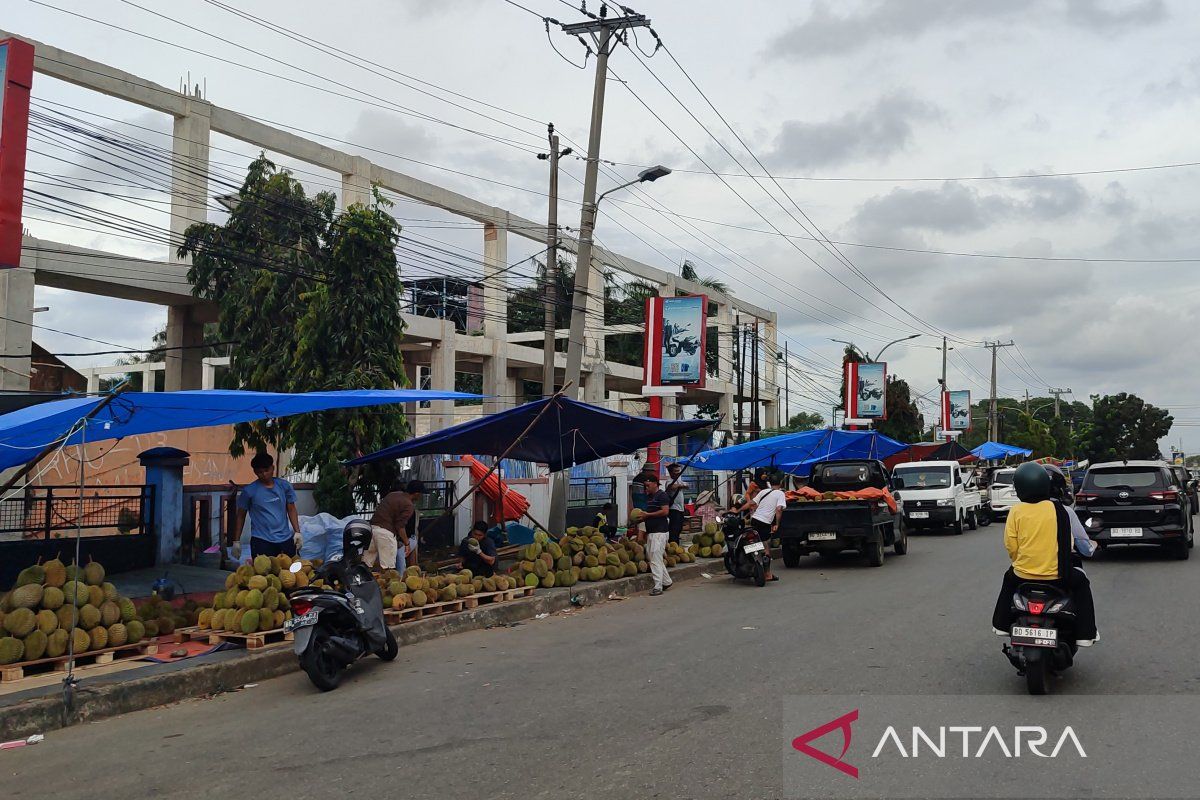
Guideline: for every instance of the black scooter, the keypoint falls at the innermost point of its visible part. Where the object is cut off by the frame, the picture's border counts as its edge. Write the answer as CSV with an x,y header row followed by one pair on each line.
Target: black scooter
x,y
1042,640
336,625
745,552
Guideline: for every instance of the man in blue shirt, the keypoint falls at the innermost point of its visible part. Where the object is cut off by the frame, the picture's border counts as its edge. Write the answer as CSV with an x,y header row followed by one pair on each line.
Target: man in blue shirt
x,y
271,504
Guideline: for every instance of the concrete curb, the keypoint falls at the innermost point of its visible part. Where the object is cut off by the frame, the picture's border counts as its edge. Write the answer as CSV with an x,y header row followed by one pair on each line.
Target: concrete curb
x,y
232,669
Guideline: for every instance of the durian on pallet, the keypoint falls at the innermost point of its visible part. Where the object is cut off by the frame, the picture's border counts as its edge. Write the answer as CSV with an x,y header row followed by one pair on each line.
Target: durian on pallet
x,y
393,616
250,641
10,673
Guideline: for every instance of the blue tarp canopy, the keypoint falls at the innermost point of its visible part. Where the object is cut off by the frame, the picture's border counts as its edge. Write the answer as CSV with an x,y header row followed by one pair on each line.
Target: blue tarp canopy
x,y
795,453
569,433
993,451
26,432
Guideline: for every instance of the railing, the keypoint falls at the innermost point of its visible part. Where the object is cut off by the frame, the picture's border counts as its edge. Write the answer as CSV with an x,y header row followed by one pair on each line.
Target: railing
x,y
586,492
48,510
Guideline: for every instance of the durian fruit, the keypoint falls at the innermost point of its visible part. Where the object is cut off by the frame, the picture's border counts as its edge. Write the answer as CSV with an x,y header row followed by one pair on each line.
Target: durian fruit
x,y
73,572
81,641
12,650
110,613
166,625
110,592
258,582
612,571
76,592
718,537
643,566
136,630
231,580
278,618
28,595
486,584
56,573
448,593
711,528
271,598
52,598
705,552
419,598
612,560
717,550
287,580
262,565
95,596
548,581
401,601
68,617
46,621
128,609
252,600
89,617
118,635
56,643
19,622
93,573
630,568
31,575
249,621
151,626
99,637
35,645
532,579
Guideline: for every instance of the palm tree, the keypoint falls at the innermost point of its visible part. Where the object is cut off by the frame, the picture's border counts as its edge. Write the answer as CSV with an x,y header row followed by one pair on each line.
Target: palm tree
x,y
688,272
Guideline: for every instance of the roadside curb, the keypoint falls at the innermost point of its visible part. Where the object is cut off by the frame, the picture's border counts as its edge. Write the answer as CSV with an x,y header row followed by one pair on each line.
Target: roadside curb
x,y
234,669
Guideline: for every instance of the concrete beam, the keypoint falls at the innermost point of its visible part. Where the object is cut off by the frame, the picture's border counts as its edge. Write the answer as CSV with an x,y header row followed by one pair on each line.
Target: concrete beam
x,y
65,266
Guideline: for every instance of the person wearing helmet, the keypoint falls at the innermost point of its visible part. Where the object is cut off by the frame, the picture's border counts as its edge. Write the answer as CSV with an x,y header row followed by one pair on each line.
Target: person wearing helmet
x,y
1038,538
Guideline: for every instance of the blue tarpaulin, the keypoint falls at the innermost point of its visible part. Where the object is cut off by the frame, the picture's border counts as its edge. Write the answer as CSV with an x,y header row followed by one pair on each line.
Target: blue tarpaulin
x,y
569,433
25,432
992,451
795,453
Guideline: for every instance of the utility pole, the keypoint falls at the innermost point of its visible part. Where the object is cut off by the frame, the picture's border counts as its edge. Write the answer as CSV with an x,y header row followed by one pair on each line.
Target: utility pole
x,y
993,423
1027,402
738,350
550,292
1058,393
944,363
754,421
787,414
606,33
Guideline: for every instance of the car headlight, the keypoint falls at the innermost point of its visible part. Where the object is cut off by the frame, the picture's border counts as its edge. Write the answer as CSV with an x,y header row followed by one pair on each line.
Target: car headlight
x,y
946,501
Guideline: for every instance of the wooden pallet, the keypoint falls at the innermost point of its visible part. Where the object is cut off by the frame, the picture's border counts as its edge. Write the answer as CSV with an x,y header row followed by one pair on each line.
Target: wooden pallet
x,y
250,641
10,673
394,616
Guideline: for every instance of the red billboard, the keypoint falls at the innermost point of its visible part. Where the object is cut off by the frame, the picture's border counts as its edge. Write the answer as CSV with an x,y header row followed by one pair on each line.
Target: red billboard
x,y
16,81
866,390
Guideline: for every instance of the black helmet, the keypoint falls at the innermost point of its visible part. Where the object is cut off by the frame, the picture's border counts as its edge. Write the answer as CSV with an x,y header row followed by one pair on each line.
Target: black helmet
x,y
1059,487
1032,483
356,538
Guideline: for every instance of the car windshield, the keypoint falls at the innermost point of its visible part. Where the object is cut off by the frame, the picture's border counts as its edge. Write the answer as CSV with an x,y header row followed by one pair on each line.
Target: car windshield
x,y
1004,477
922,477
1132,477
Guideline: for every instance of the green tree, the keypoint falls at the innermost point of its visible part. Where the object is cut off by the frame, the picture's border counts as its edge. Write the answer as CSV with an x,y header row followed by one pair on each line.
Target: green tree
x,y
904,421
313,298
1124,426
803,421
1033,435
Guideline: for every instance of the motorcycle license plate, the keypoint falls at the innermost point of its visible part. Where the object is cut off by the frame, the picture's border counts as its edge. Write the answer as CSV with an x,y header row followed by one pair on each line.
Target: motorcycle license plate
x,y
1125,533
822,537
301,621
1034,637
919,514
754,547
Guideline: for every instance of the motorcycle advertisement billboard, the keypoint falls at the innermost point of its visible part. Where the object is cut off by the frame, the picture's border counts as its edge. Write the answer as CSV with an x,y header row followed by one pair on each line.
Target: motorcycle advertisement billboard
x,y
866,390
956,410
675,337
16,80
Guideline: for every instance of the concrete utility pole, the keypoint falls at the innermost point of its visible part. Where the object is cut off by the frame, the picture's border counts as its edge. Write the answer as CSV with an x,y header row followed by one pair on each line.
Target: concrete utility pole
x,y
993,422
1027,402
1058,393
944,349
606,34
551,289
787,413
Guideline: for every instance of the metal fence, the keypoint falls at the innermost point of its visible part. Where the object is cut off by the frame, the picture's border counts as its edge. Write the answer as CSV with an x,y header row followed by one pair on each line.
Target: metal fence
x,y
47,510
586,492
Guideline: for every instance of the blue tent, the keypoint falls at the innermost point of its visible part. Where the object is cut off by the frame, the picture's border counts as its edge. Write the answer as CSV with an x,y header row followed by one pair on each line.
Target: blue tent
x,y
795,453
569,433
26,432
995,451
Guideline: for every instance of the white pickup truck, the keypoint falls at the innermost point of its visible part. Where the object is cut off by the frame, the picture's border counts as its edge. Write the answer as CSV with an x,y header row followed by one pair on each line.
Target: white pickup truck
x,y
936,494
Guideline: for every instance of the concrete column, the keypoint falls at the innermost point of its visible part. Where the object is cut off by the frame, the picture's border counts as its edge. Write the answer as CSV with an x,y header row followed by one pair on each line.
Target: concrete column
x,y
460,474
164,471
189,205
16,330
618,467
770,393
669,448
441,376
356,184
411,373
495,379
495,286
725,342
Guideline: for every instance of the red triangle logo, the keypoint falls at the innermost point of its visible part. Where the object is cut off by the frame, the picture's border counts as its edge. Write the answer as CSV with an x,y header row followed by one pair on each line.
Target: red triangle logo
x,y
842,723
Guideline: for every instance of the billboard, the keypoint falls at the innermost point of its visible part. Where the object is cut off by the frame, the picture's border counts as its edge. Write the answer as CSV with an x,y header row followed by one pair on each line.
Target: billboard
x,y
16,80
956,410
675,340
866,390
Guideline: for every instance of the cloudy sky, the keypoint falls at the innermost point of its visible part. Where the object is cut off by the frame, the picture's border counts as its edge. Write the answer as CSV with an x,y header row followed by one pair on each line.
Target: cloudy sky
x,y
896,128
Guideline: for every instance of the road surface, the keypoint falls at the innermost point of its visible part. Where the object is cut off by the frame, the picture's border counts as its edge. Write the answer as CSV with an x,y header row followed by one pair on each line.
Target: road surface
x,y
678,696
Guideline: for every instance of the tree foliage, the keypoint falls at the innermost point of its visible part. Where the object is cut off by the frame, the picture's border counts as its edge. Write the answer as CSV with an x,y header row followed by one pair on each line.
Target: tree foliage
x,y
904,421
1124,426
313,297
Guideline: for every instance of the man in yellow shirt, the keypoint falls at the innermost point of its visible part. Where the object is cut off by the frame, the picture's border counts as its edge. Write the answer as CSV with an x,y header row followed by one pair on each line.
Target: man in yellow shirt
x,y
1038,538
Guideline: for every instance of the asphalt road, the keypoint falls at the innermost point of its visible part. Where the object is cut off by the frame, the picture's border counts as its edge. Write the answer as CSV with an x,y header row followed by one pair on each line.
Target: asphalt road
x,y
684,695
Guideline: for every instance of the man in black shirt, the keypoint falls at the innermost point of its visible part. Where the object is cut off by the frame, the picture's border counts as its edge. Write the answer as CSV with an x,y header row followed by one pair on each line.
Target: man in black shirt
x,y
658,506
478,552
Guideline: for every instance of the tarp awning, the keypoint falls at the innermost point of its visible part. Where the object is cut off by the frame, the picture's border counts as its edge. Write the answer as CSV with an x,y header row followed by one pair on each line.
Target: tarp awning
x,y
569,433
992,451
25,432
951,451
795,453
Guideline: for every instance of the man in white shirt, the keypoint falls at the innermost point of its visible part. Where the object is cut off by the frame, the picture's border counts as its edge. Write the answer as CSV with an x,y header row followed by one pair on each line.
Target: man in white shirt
x,y
766,510
675,489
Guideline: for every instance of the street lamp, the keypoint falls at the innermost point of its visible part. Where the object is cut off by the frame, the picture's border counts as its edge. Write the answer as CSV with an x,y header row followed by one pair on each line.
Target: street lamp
x,y
867,356
648,175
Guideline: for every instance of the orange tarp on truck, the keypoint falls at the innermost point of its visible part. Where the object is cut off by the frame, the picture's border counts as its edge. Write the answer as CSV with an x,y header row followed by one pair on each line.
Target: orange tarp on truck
x,y
809,493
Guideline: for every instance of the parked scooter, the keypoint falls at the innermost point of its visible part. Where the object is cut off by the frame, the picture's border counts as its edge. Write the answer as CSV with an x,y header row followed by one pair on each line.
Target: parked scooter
x,y
336,625
1042,641
745,552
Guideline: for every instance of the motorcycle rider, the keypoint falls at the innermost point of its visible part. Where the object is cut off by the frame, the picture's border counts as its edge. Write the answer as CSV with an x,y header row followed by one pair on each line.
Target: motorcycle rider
x,y
765,509
1039,538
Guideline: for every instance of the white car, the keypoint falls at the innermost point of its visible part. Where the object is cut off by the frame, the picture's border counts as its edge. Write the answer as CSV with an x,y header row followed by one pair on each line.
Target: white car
x,y
1001,492
936,494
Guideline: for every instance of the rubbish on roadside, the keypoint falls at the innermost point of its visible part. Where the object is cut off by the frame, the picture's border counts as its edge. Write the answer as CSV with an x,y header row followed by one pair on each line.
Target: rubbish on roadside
x,y
249,685
706,576
34,739
543,615
749,628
